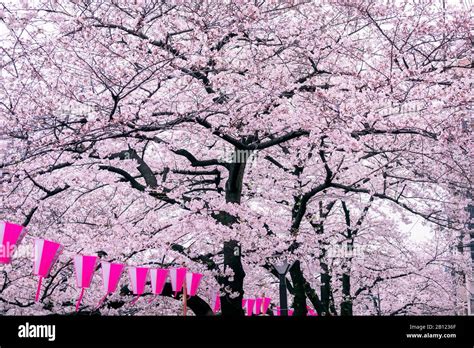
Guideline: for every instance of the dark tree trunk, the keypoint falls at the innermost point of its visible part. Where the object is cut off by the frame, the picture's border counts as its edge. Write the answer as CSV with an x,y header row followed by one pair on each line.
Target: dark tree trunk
x,y
346,304
313,297
232,306
299,301
325,288
232,258
233,187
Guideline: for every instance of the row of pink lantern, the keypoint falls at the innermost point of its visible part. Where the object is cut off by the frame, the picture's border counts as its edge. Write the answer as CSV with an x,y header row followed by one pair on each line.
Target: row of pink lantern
x,y
255,306
310,312
259,306
46,253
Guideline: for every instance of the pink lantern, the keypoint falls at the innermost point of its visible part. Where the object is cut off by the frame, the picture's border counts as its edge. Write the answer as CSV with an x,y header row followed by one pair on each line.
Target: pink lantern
x,y
311,312
10,235
111,273
266,304
177,276
192,283
248,304
46,254
158,280
216,302
258,305
84,267
138,280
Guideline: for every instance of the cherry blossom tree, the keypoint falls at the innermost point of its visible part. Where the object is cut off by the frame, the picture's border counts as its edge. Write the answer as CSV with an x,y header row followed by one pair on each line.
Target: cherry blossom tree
x,y
229,136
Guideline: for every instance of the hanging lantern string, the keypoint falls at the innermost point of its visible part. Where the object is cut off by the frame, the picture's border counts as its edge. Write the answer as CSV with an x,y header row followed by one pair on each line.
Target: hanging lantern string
x,y
38,290
78,303
101,301
152,298
134,300
185,300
